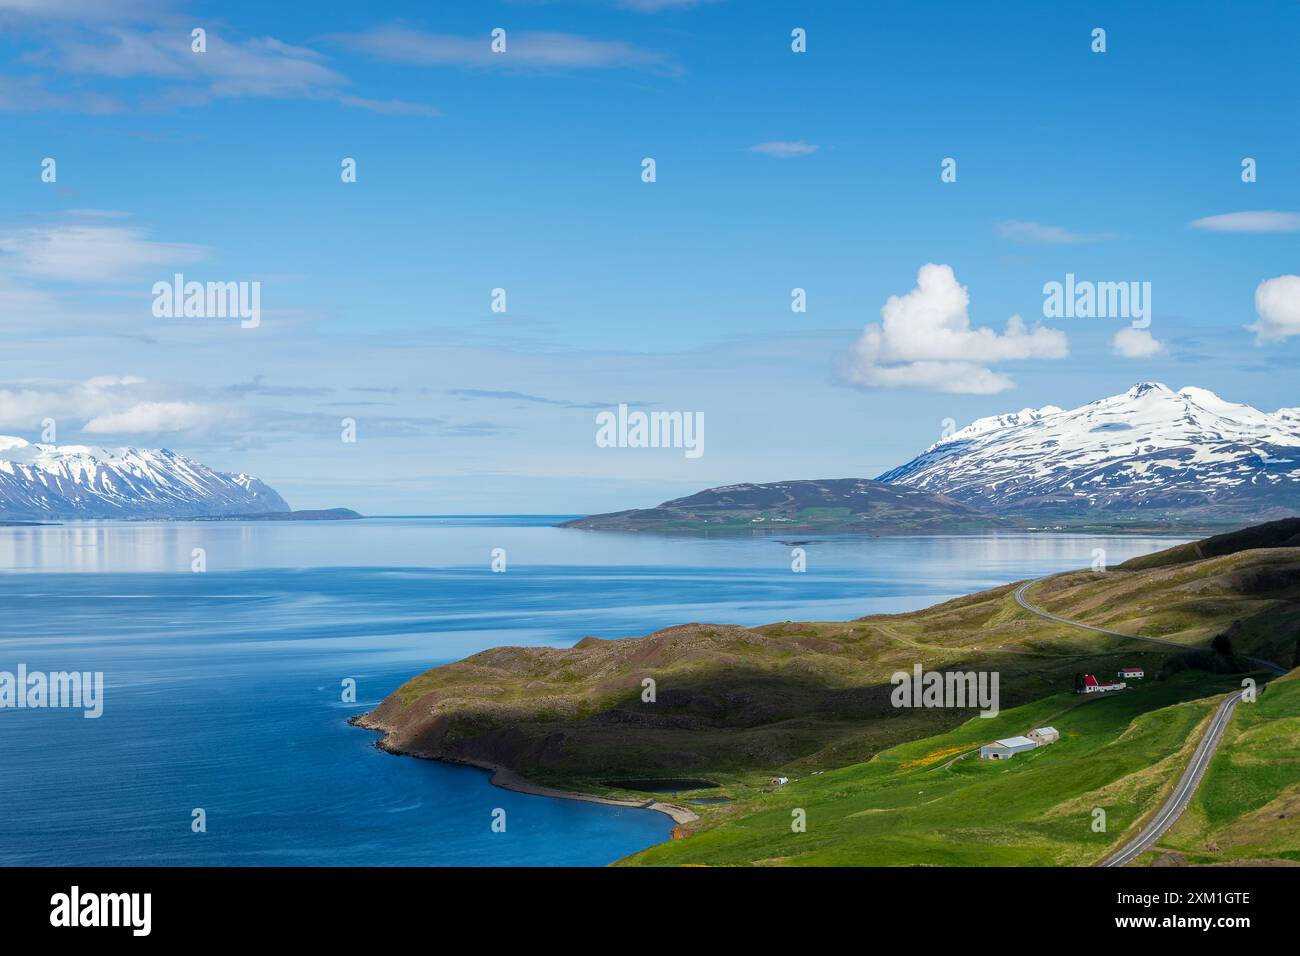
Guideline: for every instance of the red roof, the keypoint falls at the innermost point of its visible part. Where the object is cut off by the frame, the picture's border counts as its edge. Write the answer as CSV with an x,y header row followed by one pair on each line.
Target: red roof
x,y
1089,681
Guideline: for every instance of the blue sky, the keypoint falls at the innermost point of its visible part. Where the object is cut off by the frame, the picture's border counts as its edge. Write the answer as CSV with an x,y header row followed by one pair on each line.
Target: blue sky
x,y
523,171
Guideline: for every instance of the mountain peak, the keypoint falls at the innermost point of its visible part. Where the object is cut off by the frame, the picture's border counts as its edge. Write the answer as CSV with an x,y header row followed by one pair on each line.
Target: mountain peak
x,y
1143,388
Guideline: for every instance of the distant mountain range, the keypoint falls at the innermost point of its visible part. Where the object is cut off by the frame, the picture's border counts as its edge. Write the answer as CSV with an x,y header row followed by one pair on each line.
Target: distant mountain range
x,y
1151,458
78,481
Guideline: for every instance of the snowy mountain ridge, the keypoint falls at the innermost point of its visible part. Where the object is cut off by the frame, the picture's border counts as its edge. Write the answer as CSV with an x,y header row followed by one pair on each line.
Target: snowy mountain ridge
x,y
81,481
1149,450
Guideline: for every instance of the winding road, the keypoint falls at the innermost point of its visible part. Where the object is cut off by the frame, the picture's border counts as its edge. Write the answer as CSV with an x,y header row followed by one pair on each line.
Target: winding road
x,y
1191,778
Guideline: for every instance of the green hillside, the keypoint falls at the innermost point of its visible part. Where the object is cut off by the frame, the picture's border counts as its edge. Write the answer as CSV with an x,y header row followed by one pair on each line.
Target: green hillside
x,y
1248,805
915,805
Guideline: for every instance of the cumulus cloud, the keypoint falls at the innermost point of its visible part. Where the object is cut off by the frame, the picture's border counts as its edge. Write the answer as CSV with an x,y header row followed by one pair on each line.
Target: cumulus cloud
x,y
1136,343
1277,302
1037,234
1262,221
783,149
89,252
926,341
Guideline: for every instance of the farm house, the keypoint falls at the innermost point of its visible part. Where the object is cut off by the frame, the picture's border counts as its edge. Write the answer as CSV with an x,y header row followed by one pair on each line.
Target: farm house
x,y
1129,673
1006,749
1093,686
1044,735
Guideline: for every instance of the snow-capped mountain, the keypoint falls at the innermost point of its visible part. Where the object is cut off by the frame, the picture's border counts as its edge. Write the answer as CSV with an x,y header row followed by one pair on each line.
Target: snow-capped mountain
x,y
77,481
1151,451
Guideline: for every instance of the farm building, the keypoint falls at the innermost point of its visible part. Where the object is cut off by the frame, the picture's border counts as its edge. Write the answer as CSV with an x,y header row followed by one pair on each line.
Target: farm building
x,y
1006,749
1093,686
1044,735
1129,673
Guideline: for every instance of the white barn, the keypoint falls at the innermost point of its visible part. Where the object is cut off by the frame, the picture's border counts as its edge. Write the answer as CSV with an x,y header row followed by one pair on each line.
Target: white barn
x,y
1006,749
1044,735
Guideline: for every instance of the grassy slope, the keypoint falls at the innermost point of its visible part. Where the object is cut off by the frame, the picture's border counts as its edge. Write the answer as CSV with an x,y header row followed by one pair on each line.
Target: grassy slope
x,y
1284,533
914,805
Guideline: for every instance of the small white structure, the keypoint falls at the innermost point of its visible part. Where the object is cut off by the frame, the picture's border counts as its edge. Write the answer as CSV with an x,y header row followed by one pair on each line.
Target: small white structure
x,y
780,781
1044,736
1129,673
1006,749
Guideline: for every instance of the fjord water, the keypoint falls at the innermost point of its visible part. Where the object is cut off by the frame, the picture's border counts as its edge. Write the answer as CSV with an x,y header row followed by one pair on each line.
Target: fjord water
x,y
223,689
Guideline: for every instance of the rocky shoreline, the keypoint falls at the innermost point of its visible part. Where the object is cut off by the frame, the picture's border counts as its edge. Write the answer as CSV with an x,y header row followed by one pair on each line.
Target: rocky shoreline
x,y
508,779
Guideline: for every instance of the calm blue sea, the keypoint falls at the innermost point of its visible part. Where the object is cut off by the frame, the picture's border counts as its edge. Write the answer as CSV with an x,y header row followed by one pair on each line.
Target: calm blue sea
x,y
223,688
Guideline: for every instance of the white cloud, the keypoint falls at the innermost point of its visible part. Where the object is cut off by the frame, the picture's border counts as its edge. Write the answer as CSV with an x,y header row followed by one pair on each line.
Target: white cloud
x,y
524,50
1277,302
1136,343
1262,221
151,418
1037,234
107,404
86,252
784,150
926,341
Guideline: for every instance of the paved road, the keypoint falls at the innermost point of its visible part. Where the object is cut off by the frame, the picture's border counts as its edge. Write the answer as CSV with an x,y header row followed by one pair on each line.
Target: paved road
x,y
1182,794
1191,778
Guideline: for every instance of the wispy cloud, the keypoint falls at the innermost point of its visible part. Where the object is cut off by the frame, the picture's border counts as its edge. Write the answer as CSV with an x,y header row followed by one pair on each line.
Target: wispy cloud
x,y
1261,221
390,107
398,43
1038,234
29,94
536,399
147,42
89,252
782,149
258,386
656,6
119,10
260,66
